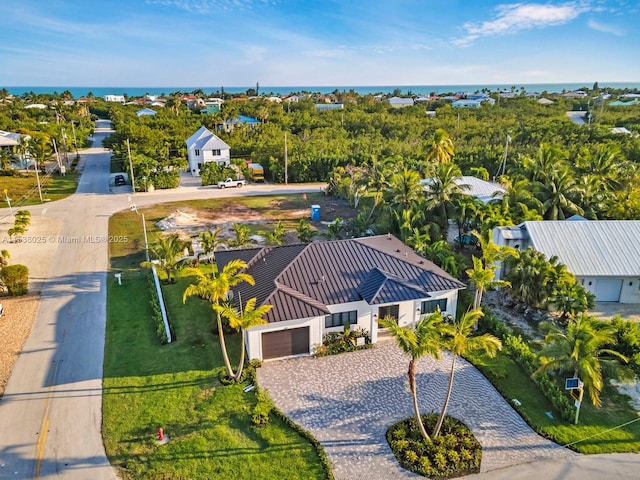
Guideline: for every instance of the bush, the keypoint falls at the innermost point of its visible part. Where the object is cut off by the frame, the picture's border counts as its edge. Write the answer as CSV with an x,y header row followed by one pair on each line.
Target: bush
x,y
156,315
211,173
345,341
455,452
263,408
164,179
15,279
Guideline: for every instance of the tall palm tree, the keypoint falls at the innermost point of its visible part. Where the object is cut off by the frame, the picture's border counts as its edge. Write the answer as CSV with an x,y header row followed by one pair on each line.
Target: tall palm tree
x,y
214,289
243,319
443,189
441,147
424,338
404,190
5,158
168,251
378,173
556,193
461,341
580,350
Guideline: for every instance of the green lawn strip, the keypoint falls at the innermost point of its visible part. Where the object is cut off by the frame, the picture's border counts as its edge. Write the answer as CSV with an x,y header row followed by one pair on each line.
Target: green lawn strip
x,y
176,386
23,191
513,383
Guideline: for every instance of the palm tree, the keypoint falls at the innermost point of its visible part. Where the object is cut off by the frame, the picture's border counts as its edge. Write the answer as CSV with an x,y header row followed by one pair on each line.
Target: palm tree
x,y
5,158
556,194
422,339
243,319
168,251
443,189
441,148
377,175
214,288
580,350
461,341
4,258
209,241
405,190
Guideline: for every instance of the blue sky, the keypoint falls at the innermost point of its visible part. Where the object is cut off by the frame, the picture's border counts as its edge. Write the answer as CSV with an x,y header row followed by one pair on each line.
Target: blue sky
x,y
162,43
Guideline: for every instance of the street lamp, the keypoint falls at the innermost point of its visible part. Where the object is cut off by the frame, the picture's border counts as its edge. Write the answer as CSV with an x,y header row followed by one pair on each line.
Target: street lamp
x,y
144,231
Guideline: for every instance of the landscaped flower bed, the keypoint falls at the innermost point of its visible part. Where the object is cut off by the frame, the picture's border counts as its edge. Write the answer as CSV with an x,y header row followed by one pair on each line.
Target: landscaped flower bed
x,y
453,453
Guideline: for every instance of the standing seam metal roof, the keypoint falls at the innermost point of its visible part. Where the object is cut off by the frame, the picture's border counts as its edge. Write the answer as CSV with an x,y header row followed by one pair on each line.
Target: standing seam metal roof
x,y
301,280
591,248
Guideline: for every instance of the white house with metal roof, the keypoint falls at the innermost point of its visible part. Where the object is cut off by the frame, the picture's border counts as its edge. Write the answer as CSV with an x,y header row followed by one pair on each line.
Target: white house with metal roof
x,y
203,147
604,255
474,186
319,287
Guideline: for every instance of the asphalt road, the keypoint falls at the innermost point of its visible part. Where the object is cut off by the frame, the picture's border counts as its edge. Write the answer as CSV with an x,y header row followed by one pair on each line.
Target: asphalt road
x,y
50,414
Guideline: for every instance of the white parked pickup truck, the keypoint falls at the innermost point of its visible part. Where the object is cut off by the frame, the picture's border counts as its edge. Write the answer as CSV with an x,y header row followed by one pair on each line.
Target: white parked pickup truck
x,y
229,182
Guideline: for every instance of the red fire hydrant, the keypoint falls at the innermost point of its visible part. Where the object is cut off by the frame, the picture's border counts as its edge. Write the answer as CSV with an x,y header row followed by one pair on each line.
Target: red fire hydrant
x,y
160,434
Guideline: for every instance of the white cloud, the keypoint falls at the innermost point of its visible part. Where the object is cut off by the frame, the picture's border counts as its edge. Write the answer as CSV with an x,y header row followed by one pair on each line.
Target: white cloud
x,y
521,16
603,27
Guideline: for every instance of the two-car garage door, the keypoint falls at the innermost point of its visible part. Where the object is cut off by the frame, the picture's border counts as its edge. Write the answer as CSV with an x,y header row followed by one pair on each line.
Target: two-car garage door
x,y
284,343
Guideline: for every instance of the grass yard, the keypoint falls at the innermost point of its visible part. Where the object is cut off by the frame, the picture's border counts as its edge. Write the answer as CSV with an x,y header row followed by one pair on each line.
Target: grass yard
x,y
596,431
175,386
23,191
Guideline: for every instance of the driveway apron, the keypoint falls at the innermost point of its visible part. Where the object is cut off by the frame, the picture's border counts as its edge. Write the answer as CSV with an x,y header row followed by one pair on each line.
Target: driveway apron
x,y
348,401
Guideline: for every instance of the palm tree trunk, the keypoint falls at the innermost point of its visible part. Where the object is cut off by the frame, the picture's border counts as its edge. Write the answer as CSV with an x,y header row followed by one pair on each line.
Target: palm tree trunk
x,y
436,430
223,347
241,364
412,386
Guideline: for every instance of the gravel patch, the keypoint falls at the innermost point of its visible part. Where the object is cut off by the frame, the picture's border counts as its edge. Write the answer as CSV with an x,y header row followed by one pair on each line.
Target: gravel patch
x,y
15,327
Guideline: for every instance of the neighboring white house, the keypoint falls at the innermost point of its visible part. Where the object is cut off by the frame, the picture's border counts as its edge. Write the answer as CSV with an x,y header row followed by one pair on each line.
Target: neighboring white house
x,y
604,255
399,102
145,112
114,98
318,287
476,187
203,147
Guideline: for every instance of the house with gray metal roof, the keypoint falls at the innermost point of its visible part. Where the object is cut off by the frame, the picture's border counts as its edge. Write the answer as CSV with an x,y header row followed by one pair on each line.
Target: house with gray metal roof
x,y
319,287
203,147
604,255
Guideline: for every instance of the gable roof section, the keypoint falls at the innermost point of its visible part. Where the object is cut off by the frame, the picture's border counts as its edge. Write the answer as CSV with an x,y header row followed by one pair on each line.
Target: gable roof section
x,y
302,280
607,248
203,139
381,287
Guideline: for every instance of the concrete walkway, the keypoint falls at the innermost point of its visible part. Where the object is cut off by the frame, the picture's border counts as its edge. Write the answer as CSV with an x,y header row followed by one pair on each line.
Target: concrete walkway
x,y
348,401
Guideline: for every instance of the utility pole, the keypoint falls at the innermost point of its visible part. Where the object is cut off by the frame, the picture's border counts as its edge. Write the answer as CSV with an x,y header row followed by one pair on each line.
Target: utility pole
x,y
133,185
37,167
64,147
286,161
75,143
506,151
55,149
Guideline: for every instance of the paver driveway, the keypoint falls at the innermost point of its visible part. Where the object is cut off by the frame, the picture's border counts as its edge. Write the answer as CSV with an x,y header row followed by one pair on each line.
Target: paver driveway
x,y
348,401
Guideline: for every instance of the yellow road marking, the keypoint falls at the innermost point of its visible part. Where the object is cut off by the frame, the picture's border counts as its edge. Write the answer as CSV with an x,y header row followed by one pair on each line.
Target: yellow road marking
x,y
44,423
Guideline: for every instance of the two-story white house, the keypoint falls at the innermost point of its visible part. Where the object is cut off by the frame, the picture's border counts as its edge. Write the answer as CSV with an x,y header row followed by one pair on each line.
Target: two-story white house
x,y
203,147
317,288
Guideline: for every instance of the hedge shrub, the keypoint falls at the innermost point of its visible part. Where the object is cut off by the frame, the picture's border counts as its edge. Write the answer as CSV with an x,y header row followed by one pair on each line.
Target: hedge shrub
x,y
156,315
15,278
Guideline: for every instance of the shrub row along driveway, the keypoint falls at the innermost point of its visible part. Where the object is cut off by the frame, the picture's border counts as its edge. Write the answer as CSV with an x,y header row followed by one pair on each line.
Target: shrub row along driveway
x,y
348,401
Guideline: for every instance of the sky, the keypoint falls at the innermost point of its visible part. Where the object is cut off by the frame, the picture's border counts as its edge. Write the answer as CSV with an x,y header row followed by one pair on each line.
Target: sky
x,y
163,43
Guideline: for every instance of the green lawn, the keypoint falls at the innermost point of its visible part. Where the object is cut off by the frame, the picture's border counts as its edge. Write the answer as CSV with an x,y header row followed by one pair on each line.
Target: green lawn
x,y
597,423
147,385
23,191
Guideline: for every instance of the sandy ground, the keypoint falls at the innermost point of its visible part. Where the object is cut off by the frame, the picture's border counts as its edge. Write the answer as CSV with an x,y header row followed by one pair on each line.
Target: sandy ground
x,y
15,327
35,251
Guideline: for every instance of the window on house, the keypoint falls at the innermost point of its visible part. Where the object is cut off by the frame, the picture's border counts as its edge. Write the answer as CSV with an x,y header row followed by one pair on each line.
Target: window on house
x,y
216,152
392,311
196,152
340,318
429,306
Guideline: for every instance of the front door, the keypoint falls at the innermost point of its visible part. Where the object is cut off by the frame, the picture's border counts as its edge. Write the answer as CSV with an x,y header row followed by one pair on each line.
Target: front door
x,y
392,311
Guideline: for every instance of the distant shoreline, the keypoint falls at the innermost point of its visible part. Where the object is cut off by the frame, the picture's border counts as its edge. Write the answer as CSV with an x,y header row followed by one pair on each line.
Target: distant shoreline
x,y
286,90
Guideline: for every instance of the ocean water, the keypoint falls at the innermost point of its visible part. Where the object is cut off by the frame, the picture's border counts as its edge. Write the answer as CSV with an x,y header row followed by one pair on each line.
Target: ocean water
x,y
286,90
